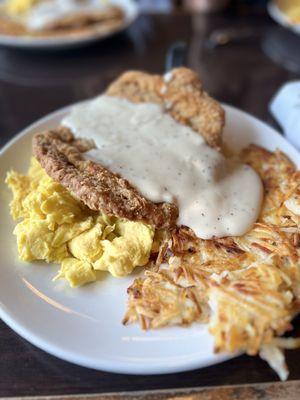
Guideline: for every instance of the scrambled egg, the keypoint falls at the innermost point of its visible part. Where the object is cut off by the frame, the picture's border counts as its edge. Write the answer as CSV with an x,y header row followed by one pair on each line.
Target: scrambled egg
x,y
57,227
18,7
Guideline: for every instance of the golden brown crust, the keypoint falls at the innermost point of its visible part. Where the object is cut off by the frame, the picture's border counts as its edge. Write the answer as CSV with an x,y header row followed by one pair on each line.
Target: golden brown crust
x,y
100,189
84,24
181,94
247,287
60,154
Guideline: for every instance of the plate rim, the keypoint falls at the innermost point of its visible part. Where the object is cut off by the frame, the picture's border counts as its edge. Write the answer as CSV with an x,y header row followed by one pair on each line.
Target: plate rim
x,y
109,365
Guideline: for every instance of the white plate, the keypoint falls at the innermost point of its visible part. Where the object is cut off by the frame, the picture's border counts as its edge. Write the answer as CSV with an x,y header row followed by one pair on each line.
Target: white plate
x,y
83,325
281,18
129,7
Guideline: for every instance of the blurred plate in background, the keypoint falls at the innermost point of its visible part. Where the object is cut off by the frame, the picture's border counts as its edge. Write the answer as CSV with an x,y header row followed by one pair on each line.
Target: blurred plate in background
x,y
129,7
281,18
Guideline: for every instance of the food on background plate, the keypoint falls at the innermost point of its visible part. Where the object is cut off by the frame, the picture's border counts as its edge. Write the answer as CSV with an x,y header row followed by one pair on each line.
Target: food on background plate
x,y
47,18
291,9
137,177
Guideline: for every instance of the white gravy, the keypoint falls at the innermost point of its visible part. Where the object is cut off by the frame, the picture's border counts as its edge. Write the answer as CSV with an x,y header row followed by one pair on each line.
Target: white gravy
x,y
49,11
167,161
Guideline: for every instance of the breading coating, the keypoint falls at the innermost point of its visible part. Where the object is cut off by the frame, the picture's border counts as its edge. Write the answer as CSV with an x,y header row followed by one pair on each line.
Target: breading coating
x,y
60,153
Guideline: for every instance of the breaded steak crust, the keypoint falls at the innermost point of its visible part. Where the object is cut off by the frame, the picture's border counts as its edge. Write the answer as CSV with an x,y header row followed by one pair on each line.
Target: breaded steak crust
x,y
181,94
61,155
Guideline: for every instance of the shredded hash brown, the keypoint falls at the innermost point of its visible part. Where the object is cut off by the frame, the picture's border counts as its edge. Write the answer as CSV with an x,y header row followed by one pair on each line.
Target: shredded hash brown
x,y
246,288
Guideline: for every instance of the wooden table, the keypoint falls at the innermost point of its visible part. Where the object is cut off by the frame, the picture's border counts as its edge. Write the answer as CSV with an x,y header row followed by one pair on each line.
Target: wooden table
x,y
34,84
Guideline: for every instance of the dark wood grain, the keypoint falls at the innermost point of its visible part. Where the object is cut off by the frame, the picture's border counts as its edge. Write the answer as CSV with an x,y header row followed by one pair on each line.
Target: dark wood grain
x,y
266,391
33,84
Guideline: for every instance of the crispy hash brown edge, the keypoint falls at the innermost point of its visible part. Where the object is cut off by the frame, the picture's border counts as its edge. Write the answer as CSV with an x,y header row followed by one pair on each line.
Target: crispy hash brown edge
x,y
247,289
